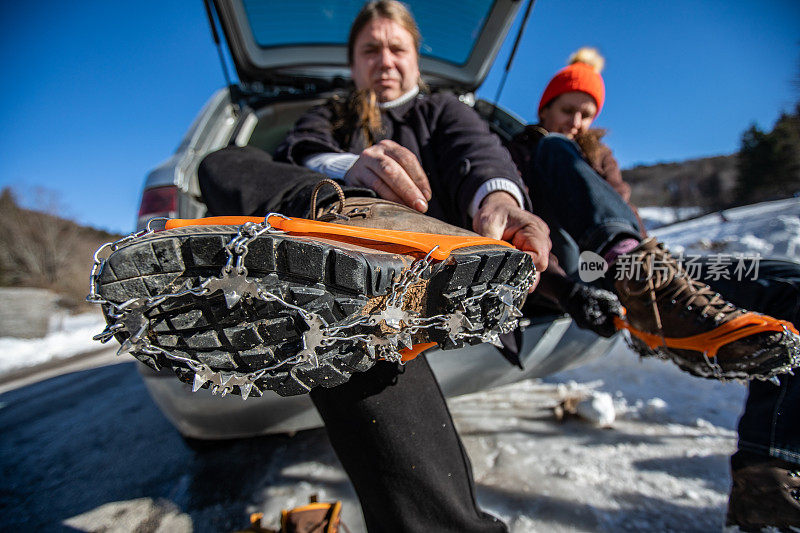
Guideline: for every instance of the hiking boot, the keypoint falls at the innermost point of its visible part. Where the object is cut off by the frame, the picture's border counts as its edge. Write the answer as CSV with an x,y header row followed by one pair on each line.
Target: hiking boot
x,y
765,493
243,305
671,315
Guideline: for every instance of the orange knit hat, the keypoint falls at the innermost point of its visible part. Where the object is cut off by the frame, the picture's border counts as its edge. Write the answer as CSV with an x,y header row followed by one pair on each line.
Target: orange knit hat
x,y
583,74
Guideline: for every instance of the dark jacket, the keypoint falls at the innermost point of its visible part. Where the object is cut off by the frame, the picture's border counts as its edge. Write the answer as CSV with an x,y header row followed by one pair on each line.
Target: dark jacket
x,y
597,154
453,144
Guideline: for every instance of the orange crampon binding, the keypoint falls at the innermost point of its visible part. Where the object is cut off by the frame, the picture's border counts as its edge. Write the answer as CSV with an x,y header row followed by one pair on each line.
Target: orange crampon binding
x,y
708,344
438,246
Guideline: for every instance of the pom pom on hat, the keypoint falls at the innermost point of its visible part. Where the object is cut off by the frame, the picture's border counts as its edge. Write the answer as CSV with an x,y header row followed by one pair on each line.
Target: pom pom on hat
x,y
590,56
582,74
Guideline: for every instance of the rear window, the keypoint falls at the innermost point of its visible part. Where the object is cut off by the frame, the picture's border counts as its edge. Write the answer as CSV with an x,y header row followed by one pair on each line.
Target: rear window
x,y
449,28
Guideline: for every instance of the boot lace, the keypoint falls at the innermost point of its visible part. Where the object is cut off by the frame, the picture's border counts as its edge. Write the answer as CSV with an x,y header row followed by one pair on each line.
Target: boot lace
x,y
661,269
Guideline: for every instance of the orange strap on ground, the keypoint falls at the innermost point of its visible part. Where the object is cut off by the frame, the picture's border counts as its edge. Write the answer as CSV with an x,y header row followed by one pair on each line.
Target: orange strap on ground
x,y
711,341
398,241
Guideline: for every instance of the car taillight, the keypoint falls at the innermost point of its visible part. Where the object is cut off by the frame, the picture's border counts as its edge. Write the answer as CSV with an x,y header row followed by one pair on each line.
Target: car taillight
x,y
159,201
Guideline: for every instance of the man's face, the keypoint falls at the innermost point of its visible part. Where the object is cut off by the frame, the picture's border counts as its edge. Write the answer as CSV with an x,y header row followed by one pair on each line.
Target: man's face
x,y
570,114
385,60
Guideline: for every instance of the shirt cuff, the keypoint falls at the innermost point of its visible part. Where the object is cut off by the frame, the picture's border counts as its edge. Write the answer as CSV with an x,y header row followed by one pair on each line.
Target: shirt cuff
x,y
494,185
331,164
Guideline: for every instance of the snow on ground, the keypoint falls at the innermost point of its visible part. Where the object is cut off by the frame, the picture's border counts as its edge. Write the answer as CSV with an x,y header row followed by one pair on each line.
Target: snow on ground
x,y
655,217
769,229
68,336
656,461
660,466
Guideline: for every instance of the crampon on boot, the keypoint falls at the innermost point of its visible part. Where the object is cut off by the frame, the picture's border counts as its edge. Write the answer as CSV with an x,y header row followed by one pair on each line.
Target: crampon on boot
x,y
243,305
673,316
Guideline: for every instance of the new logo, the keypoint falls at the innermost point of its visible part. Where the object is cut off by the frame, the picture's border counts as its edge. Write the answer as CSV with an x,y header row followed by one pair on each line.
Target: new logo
x,y
591,266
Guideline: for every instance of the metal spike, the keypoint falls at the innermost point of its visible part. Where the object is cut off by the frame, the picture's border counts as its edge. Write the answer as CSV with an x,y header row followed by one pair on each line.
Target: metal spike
x,y
404,339
138,334
775,381
214,390
493,338
225,390
233,285
126,347
245,389
370,348
224,378
199,381
506,296
312,337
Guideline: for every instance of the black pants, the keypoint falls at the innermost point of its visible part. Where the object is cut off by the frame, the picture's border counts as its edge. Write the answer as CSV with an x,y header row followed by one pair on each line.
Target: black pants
x,y
390,426
770,423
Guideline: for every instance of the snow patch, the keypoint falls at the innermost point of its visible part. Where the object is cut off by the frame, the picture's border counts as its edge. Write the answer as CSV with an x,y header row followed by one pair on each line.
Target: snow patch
x,y
69,335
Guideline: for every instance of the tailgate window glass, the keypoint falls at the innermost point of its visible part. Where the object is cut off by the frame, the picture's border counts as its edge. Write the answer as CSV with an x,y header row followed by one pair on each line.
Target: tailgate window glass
x,y
449,28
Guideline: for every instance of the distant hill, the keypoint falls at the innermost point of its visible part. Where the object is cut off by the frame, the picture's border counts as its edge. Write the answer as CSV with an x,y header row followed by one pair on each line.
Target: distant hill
x,y
708,183
42,250
767,167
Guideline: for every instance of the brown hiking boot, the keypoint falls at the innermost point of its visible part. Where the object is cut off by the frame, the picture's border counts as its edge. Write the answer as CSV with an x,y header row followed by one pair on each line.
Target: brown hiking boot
x,y
673,316
242,305
765,493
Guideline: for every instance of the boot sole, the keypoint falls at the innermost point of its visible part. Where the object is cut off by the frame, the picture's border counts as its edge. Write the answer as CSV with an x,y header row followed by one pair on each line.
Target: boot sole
x,y
211,345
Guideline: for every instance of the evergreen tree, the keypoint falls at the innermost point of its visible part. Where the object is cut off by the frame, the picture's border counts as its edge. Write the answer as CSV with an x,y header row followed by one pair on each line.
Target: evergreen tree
x,y
769,163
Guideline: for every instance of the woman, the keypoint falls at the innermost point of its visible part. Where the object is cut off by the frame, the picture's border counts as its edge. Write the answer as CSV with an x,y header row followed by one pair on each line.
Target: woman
x,y
765,470
569,105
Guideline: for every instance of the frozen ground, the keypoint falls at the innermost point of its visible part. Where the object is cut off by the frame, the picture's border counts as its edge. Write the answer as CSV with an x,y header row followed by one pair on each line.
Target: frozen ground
x,y
660,465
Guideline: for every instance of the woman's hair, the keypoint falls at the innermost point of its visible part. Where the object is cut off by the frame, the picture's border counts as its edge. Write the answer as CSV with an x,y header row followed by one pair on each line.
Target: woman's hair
x,y
361,110
383,9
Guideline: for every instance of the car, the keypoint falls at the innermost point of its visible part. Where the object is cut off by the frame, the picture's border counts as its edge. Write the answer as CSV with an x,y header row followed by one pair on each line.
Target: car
x,y
289,57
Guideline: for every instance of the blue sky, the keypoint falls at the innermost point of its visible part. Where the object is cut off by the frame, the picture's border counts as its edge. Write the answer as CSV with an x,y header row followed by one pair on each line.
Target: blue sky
x,y
97,93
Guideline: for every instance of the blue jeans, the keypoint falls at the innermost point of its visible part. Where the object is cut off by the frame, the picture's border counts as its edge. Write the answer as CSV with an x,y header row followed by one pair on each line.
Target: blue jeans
x,y
581,209
770,424
585,213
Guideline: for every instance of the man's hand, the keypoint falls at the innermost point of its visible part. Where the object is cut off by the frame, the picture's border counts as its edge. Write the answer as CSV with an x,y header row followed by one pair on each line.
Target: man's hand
x,y
501,217
394,173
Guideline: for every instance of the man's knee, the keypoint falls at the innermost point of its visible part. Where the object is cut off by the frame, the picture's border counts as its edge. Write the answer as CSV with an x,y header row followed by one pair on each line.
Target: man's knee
x,y
217,167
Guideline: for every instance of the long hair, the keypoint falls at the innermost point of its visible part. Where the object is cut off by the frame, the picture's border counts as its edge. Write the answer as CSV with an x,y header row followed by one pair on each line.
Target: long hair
x,y
361,111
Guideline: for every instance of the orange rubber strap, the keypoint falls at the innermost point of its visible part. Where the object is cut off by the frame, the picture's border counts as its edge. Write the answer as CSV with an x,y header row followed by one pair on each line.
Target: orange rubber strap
x,y
711,341
388,240
407,354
